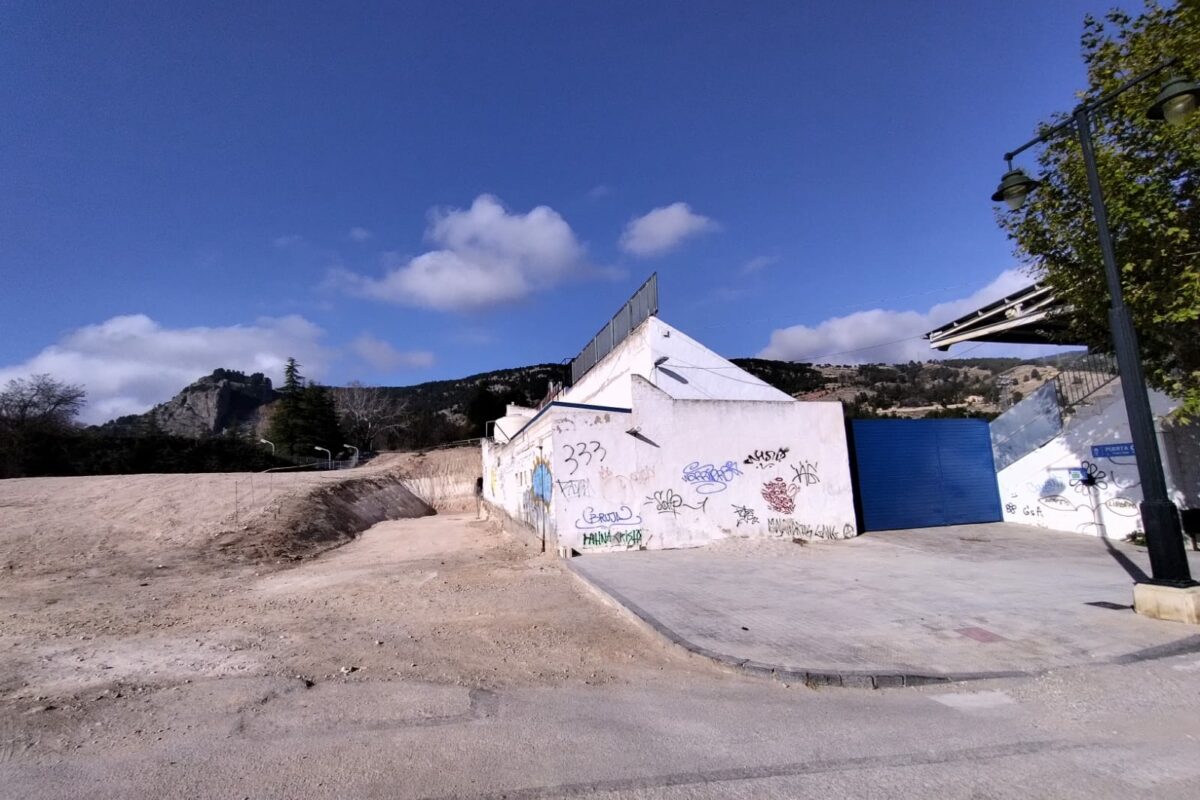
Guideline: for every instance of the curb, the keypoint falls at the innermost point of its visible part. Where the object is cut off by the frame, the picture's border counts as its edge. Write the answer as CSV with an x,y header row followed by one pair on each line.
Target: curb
x,y
852,679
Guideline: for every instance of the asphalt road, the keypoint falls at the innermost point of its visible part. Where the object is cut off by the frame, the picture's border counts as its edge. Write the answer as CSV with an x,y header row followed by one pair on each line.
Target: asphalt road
x,y
479,670
1117,731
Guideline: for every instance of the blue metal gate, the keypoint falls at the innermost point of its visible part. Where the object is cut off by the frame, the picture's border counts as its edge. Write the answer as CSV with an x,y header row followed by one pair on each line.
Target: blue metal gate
x,y
920,473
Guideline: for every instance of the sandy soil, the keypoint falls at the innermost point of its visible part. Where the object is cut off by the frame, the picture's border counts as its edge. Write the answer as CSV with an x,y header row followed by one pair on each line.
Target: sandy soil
x,y
107,612
125,522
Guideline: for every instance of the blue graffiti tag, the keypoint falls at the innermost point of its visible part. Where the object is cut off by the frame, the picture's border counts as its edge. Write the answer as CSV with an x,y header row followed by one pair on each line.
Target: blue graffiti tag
x,y
590,518
543,483
708,479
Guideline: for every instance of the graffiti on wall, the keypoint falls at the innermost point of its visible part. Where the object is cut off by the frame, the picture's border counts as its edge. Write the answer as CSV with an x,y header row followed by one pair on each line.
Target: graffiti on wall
x,y
608,478
1087,482
708,479
786,526
590,518
780,496
806,473
666,501
582,454
762,459
745,516
1122,506
572,489
541,482
631,538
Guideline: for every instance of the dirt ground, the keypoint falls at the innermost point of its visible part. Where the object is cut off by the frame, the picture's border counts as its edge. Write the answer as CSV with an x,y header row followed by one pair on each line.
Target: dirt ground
x,y
109,608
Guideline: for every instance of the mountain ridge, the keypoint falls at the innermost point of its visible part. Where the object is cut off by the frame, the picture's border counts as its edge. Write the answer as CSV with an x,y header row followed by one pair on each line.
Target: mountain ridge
x,y
229,402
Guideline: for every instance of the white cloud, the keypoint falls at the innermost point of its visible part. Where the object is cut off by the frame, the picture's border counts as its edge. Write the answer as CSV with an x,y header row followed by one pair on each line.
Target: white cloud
x,y
477,337
885,336
756,264
384,357
129,363
486,256
287,241
599,191
359,234
663,229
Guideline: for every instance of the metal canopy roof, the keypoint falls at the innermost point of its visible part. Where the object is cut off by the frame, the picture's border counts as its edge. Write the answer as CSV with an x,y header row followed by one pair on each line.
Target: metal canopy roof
x,y
1030,316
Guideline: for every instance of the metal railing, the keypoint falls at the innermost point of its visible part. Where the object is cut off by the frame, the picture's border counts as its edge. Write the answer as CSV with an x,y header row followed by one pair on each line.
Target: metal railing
x,y
1084,377
318,466
457,443
637,309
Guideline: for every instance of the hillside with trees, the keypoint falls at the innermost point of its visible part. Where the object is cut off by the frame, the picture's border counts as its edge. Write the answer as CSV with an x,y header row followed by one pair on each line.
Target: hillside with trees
x,y
219,422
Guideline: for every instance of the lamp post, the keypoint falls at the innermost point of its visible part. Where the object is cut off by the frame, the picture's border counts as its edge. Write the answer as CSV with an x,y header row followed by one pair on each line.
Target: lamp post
x,y
355,449
328,456
1164,537
264,441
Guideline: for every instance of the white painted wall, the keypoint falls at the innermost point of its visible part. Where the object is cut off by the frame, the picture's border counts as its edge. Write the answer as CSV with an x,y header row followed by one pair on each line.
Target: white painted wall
x,y
515,475
707,453
1044,488
690,371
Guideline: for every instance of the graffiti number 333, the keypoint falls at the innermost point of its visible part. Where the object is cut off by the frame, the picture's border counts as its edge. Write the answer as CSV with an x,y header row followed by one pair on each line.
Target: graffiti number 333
x,y
583,450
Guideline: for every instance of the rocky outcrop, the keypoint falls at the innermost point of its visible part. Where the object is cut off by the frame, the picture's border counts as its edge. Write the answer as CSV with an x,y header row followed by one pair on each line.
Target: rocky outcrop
x,y
213,405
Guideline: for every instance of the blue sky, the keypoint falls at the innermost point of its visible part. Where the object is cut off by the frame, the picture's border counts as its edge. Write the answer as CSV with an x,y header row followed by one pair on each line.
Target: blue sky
x,y
401,192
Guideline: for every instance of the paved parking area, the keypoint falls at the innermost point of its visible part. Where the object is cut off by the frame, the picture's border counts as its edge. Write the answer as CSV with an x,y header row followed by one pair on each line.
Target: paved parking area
x,y
960,602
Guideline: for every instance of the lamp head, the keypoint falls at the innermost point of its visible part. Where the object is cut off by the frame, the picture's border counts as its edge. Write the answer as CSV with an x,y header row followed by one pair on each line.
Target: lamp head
x,y
1178,98
1014,187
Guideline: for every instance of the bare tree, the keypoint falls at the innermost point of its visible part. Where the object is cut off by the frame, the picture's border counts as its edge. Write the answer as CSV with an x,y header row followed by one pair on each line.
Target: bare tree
x,y
39,402
30,408
367,413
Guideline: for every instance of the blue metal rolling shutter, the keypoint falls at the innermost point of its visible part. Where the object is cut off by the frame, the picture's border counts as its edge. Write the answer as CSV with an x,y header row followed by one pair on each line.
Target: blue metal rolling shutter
x,y
898,474
969,490
924,473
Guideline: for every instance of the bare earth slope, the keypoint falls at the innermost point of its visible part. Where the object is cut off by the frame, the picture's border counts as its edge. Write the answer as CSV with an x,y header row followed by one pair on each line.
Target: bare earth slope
x,y
104,523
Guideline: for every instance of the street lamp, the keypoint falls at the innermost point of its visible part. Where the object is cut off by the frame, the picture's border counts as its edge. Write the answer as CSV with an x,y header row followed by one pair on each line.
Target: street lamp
x,y
264,441
1177,99
355,449
328,456
1164,537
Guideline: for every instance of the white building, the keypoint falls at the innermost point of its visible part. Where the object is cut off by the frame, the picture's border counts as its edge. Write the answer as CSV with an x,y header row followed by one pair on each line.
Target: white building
x,y
663,443
1083,477
1066,462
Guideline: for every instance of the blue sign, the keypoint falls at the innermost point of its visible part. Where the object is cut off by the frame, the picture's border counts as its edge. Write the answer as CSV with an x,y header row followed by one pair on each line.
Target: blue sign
x,y
1120,450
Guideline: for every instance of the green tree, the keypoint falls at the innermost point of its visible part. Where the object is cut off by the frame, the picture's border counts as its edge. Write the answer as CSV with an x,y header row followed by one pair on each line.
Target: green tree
x,y
317,420
1150,173
486,406
285,426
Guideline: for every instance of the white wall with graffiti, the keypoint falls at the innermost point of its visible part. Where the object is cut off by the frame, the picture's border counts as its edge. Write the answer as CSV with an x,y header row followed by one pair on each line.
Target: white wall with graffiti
x,y
1085,478
690,458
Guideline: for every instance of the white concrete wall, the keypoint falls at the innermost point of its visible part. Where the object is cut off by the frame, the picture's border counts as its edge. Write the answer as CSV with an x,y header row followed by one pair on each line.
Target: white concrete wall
x,y
708,452
1044,488
691,472
516,475
690,371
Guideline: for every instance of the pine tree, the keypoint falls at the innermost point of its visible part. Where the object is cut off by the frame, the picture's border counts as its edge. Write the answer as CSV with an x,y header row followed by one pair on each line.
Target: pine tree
x,y
285,427
317,419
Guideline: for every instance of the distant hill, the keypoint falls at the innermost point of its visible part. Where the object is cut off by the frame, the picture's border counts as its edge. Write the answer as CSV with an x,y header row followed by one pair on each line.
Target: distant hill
x,y
215,404
228,402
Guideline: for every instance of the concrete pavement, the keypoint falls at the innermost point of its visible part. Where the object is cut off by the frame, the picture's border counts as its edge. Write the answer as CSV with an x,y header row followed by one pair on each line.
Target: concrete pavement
x,y
899,607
